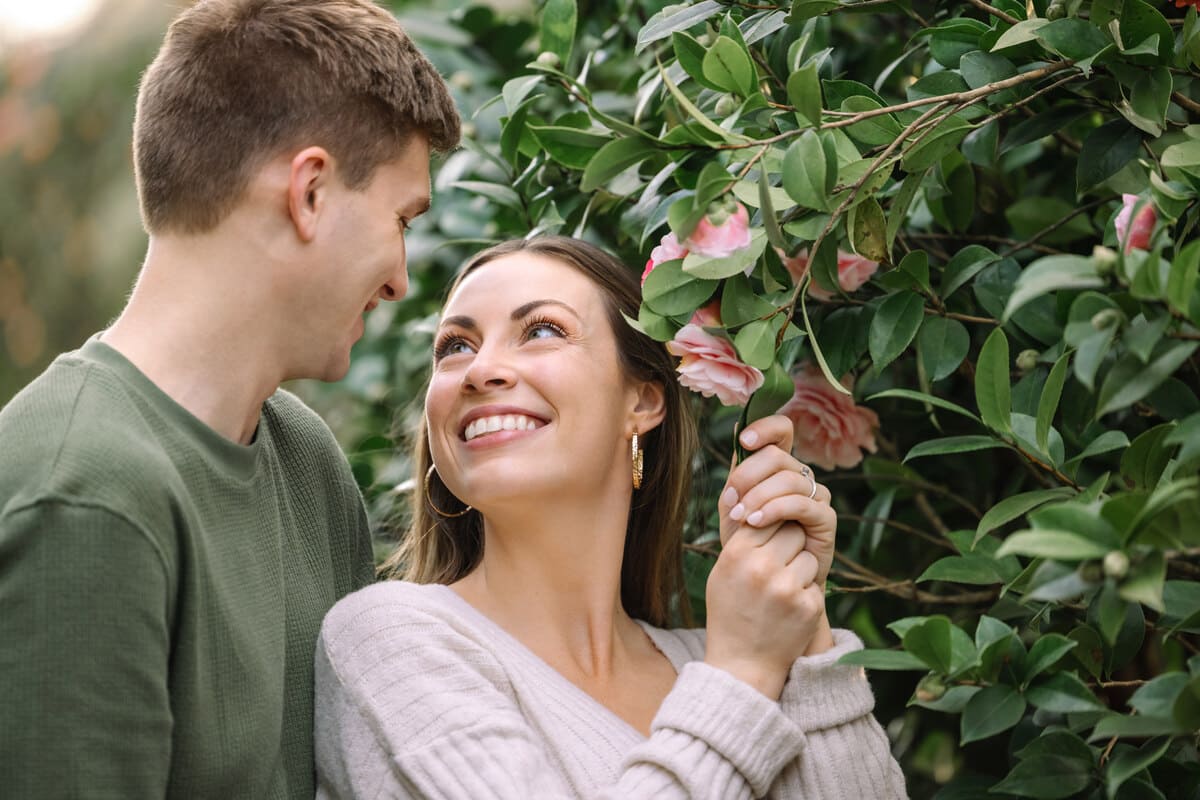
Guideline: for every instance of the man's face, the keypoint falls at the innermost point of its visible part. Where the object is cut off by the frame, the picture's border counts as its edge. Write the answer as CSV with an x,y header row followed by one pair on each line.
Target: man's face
x,y
363,259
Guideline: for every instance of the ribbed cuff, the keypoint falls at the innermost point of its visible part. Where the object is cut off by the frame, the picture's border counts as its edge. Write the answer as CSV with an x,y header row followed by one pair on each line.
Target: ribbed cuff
x,y
736,720
821,693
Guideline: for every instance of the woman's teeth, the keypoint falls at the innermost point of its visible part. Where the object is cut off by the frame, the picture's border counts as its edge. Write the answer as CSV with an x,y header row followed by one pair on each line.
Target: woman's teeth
x,y
506,422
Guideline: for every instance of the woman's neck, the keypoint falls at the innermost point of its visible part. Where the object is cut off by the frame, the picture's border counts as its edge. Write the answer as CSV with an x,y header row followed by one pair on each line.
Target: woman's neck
x,y
556,586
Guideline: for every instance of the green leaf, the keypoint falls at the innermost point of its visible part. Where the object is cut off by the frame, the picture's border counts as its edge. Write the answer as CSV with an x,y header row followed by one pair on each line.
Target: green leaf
x,y
671,292
696,114
930,642
804,172
1015,506
1144,583
1073,38
921,397
755,343
915,264
804,92
934,146
1146,457
1105,151
1182,155
1024,31
739,303
1126,764
972,569
1157,697
942,345
878,130
1181,285
1129,380
1047,543
1132,727
1051,274
1063,693
1046,652
807,9
1062,743
776,390
728,65
993,394
558,28
993,710
1048,402
1186,709
614,158
675,18
1047,777
965,265
656,326
1141,23
953,444
868,230
690,55
895,324
716,268
884,660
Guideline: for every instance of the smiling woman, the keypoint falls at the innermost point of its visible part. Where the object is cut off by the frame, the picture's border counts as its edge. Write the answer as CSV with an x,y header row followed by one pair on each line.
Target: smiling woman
x,y
526,652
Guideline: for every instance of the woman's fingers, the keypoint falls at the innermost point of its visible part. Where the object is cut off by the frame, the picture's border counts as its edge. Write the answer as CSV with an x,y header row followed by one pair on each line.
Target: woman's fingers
x,y
777,430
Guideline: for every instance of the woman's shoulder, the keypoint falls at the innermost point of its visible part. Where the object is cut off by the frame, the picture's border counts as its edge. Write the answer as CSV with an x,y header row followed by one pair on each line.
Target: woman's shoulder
x,y
429,614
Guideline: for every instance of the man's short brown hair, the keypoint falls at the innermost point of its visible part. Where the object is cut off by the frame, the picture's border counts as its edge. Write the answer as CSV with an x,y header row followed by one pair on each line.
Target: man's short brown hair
x,y
238,82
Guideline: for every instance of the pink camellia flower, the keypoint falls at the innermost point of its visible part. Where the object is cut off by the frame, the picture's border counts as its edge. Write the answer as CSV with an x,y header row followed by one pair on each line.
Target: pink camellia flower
x,y
668,249
708,316
1135,234
723,237
853,272
710,365
831,431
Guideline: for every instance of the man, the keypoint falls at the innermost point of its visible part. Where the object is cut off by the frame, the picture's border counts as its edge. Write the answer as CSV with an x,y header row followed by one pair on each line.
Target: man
x,y
173,527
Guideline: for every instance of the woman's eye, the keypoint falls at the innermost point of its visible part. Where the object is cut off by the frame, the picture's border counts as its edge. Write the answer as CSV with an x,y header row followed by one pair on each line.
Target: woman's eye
x,y
450,346
544,329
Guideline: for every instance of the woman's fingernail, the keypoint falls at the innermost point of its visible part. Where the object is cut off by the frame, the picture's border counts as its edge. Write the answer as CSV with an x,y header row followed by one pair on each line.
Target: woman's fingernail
x,y
729,496
755,518
749,438
737,512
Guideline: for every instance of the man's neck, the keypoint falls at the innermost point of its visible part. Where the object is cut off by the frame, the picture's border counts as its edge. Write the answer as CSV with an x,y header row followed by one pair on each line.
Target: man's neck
x,y
201,342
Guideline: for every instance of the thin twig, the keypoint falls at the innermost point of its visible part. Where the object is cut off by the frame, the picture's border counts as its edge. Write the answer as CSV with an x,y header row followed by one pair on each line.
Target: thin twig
x,y
1186,102
907,481
1052,227
995,12
900,526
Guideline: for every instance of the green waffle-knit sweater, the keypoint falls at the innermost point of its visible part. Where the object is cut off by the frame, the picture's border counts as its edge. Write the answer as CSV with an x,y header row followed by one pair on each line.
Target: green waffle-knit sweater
x,y
161,589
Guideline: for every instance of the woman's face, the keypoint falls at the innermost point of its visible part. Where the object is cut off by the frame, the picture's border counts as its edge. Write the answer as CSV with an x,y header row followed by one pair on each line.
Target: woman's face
x,y
527,399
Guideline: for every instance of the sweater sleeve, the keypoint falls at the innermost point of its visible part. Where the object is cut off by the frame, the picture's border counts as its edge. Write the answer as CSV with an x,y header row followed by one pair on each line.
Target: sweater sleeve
x,y
83,665
847,754
412,708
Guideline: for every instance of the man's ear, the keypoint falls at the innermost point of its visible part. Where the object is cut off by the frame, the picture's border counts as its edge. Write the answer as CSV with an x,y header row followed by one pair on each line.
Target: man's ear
x,y
309,178
649,408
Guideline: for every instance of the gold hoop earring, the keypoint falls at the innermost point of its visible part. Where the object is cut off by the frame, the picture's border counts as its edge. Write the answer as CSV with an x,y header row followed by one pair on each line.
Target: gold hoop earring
x,y
429,498
636,456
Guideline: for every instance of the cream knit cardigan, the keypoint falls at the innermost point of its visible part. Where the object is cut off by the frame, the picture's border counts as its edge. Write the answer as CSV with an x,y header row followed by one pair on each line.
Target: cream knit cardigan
x,y
421,696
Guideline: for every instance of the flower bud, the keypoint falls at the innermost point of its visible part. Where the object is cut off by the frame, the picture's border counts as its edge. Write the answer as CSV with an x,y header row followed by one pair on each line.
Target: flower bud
x,y
549,175
549,59
468,130
1105,259
1027,360
462,80
725,106
1116,564
1107,318
717,213
1056,10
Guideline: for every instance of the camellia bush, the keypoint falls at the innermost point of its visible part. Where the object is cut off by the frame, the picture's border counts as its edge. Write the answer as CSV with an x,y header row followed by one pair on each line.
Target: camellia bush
x,y
956,243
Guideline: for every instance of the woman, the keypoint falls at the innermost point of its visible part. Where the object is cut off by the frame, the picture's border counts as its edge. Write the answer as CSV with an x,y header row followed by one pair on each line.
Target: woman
x,y
525,655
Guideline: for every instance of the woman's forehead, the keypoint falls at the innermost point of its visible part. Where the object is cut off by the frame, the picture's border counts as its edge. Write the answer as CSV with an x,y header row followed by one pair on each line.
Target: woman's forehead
x,y
518,278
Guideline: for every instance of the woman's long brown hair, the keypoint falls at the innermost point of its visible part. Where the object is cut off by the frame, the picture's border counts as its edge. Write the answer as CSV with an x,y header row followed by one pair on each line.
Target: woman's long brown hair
x,y
439,549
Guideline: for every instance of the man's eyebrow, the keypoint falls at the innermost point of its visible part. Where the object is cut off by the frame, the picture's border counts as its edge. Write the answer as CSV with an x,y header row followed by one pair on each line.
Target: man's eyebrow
x,y
524,310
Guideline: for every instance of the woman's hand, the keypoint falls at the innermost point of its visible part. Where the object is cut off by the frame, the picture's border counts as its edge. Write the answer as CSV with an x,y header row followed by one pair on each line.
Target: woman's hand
x,y
766,593
765,608
771,486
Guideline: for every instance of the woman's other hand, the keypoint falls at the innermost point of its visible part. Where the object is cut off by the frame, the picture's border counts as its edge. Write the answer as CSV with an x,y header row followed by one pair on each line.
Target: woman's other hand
x,y
765,607
771,486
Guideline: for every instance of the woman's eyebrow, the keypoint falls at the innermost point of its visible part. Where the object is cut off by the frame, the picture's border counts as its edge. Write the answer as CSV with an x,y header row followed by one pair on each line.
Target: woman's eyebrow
x,y
459,322
524,309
